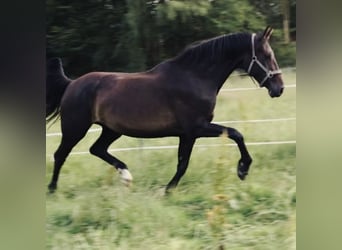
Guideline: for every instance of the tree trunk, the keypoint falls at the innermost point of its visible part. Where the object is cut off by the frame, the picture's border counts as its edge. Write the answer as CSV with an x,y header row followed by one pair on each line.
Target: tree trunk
x,y
286,20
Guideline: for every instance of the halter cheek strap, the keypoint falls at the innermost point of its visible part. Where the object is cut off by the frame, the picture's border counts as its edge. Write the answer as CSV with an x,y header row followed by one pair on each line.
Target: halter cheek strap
x,y
269,73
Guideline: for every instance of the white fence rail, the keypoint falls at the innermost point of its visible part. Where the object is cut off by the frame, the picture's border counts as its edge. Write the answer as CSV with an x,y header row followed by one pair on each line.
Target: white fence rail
x,y
195,146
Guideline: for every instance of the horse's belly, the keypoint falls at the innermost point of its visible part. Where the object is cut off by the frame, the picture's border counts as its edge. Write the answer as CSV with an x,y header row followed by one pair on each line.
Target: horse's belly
x,y
142,123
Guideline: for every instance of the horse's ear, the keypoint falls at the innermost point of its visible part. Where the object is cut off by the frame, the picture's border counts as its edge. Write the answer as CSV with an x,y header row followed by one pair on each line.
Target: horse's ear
x,y
267,33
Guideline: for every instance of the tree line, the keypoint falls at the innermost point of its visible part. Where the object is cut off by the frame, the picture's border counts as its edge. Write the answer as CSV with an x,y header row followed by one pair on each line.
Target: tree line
x,y
135,35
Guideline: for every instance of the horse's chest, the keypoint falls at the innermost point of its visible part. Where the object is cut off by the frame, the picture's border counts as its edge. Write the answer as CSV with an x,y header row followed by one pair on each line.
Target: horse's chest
x,y
196,105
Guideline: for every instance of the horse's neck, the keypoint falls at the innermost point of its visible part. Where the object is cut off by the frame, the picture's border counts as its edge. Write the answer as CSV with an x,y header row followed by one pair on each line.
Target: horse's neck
x,y
214,73
222,72
217,74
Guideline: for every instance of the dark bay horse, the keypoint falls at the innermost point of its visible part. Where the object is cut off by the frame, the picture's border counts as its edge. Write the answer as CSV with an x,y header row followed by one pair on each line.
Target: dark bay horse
x,y
175,98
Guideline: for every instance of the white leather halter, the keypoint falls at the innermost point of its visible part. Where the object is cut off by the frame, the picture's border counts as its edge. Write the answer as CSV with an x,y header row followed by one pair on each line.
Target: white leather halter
x,y
269,73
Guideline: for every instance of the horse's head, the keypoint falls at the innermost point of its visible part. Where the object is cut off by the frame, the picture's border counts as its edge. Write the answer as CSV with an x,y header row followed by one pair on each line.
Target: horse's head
x,y
262,64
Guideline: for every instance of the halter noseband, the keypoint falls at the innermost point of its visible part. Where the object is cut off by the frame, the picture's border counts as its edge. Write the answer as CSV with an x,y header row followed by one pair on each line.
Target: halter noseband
x,y
269,73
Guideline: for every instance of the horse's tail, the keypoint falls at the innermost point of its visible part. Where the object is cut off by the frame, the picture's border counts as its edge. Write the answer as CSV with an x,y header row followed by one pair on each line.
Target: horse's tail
x,y
56,84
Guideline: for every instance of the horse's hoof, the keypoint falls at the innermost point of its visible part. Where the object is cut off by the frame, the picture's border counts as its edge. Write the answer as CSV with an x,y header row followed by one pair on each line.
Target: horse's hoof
x,y
168,191
126,176
242,174
242,169
52,188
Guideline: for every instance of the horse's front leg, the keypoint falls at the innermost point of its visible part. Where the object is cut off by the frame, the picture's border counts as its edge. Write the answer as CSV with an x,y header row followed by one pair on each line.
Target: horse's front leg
x,y
186,144
214,130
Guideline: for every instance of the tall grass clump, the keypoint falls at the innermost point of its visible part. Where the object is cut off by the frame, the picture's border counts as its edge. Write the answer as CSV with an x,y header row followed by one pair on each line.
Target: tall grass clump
x,y
217,215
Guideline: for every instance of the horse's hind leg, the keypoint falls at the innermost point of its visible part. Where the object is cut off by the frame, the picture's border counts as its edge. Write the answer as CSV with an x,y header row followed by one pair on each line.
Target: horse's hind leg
x,y
71,135
100,149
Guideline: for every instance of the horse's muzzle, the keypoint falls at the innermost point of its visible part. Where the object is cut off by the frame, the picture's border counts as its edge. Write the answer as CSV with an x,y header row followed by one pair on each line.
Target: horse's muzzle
x,y
276,92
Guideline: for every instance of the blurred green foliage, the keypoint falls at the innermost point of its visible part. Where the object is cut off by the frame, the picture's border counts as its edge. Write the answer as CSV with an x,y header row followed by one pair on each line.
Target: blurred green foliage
x,y
134,35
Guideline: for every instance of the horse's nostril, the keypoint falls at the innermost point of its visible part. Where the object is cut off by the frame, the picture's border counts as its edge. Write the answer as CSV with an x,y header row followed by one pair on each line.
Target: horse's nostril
x,y
281,90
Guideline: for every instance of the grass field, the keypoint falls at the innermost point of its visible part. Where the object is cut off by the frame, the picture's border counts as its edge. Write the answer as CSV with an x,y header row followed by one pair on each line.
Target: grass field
x,y
92,209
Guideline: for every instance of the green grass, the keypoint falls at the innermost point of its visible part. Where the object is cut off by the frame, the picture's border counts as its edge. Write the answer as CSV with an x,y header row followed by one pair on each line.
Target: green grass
x,y
93,210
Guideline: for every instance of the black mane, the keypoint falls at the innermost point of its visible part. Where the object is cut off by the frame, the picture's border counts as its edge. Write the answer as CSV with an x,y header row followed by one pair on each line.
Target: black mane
x,y
215,50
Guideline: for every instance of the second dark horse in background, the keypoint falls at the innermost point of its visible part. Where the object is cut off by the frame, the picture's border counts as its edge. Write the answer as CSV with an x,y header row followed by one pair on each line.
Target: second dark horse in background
x,y
175,98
